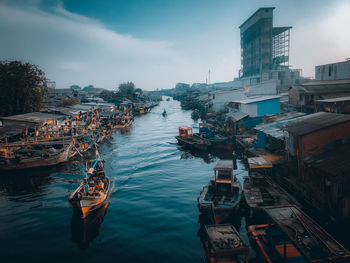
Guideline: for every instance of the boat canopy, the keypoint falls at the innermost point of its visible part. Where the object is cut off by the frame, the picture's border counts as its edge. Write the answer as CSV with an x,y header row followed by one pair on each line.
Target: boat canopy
x,y
185,131
223,173
258,162
224,165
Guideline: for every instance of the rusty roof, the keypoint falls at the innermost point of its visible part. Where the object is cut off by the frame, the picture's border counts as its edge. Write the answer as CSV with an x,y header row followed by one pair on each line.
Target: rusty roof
x,y
185,128
314,122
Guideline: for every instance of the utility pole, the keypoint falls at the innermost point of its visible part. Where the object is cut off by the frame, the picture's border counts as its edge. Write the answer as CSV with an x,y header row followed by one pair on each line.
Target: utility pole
x,y
209,77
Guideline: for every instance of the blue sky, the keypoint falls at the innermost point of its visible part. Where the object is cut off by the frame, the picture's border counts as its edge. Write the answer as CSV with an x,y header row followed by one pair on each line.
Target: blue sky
x,y
159,43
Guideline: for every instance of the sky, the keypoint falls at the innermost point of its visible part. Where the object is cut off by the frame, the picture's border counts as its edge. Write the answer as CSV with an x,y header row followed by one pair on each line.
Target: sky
x,y
157,43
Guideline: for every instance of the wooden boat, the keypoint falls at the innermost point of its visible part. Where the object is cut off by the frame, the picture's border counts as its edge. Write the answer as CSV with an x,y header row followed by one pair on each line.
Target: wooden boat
x,y
273,245
260,191
88,197
311,240
186,138
123,124
34,156
223,243
221,197
217,141
292,236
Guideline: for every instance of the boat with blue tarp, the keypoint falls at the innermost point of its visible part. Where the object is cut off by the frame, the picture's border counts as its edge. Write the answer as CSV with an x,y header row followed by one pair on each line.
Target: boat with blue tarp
x,y
217,141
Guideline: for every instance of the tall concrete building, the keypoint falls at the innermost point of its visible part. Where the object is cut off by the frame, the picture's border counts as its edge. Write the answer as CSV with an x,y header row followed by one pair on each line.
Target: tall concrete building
x,y
263,47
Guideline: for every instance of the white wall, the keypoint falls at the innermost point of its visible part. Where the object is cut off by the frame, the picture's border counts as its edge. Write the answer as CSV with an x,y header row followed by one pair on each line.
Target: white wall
x,y
221,98
250,109
264,88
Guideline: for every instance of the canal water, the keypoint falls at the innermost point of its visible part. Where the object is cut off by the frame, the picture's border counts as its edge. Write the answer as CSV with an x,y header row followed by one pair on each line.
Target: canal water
x,y
152,216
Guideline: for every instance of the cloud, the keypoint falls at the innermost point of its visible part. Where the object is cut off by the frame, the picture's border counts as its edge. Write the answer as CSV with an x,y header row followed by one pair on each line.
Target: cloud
x,y
73,49
321,39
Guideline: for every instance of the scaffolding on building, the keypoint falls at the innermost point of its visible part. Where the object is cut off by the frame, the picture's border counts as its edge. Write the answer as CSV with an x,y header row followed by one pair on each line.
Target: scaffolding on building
x,y
280,47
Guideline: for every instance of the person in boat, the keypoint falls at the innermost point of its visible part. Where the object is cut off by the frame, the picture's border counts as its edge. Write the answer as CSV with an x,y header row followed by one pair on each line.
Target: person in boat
x,y
99,186
86,187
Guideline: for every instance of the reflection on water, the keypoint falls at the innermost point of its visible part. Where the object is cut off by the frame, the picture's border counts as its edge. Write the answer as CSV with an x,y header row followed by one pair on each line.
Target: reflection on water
x,y
85,230
153,215
208,157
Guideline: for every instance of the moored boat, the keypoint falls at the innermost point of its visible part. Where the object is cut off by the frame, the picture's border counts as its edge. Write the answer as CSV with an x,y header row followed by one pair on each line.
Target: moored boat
x,y
93,192
217,141
221,197
34,156
223,243
186,138
260,190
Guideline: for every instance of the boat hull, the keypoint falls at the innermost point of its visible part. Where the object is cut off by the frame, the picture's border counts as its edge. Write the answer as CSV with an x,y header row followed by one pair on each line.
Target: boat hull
x,y
85,207
37,161
220,211
192,143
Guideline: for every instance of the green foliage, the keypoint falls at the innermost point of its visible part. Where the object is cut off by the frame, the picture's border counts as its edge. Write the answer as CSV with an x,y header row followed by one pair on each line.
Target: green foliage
x,y
107,95
127,90
23,87
68,102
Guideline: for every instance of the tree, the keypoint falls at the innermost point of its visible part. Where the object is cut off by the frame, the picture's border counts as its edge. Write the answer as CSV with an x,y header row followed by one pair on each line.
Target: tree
x,y
23,87
127,90
66,102
107,95
140,91
75,87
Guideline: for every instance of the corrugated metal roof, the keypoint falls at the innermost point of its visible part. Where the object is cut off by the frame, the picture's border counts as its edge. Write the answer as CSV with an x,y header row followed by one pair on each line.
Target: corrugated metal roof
x,y
326,82
339,99
257,99
238,115
274,129
328,86
315,122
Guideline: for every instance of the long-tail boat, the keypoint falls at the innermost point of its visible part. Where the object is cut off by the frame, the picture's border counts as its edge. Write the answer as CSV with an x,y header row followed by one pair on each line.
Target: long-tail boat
x,y
186,138
221,197
93,192
17,157
260,190
290,235
217,141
